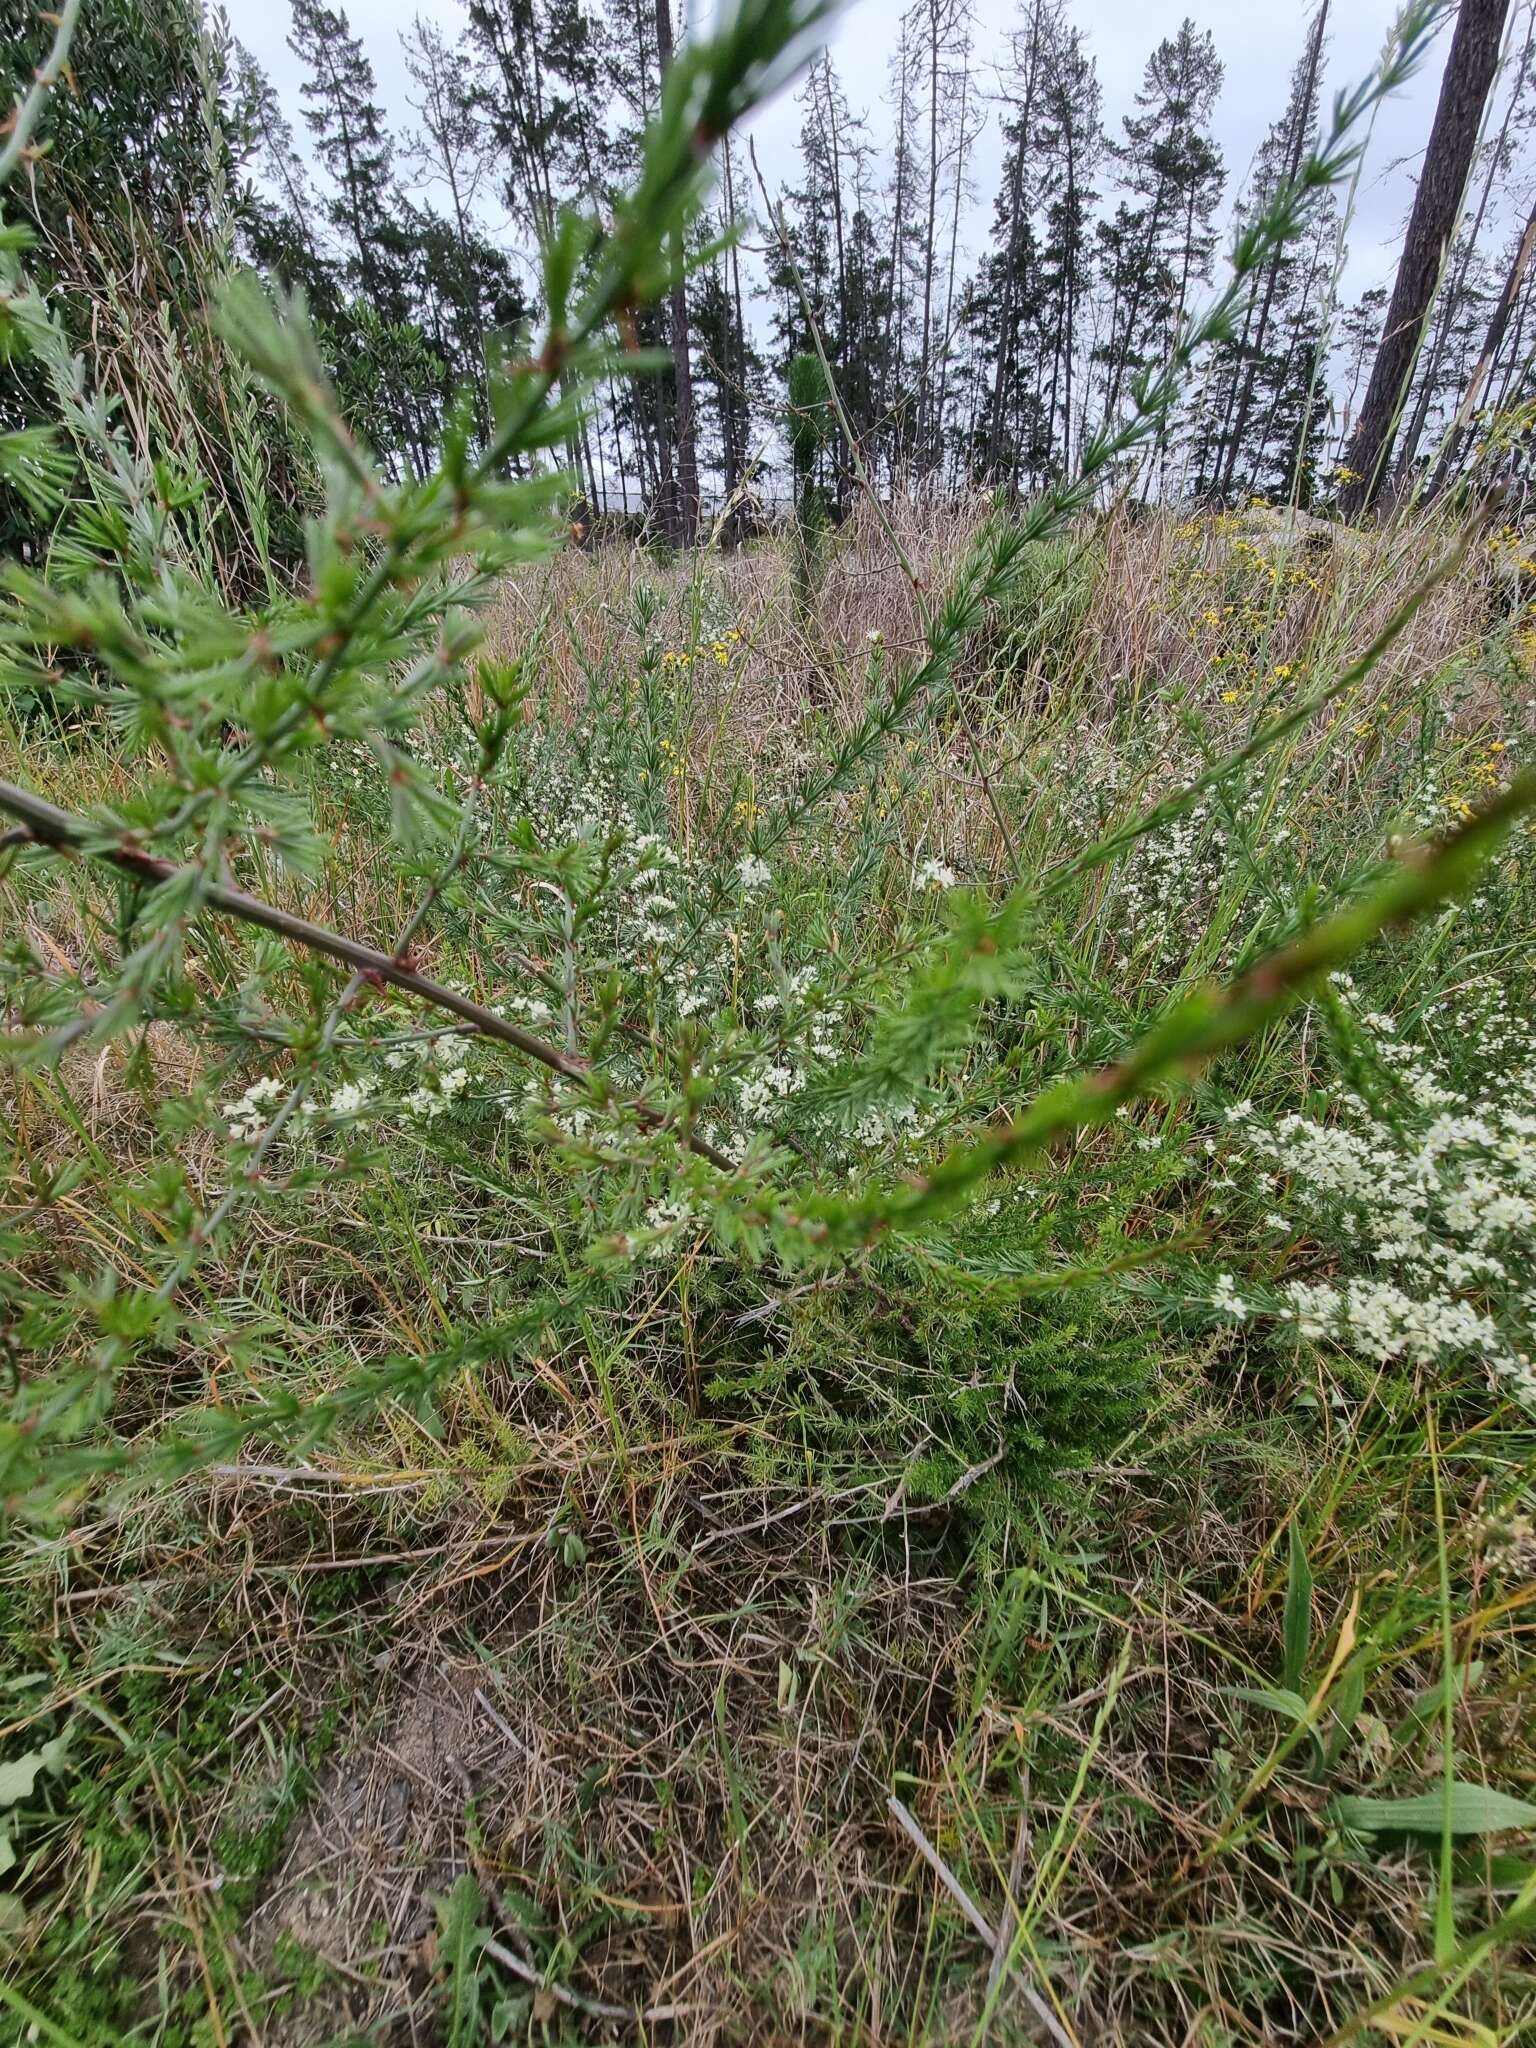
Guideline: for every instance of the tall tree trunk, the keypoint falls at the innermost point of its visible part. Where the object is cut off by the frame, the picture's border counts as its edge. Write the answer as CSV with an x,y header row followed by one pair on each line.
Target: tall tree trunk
x,y
1469,72
686,521
941,404
1234,432
1067,326
894,358
929,254
1018,220
1493,341
1453,296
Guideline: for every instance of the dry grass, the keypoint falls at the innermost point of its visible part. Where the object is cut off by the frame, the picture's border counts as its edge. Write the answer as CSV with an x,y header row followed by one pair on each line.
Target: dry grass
x,y
1151,578
629,1660
667,1765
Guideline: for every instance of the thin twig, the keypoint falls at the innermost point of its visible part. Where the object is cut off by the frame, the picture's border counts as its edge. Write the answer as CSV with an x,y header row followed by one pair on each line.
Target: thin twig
x,y
25,116
968,1906
866,484
56,829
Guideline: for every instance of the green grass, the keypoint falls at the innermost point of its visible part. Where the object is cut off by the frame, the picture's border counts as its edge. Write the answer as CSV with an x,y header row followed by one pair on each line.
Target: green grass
x,y
635,1630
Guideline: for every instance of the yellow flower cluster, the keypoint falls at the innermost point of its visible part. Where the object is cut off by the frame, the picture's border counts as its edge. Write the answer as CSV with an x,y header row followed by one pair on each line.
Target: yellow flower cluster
x,y
1234,603
721,652
1509,548
1486,771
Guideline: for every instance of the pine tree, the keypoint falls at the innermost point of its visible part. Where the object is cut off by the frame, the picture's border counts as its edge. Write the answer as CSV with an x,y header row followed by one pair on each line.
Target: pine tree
x,y
728,372
1502,325
832,259
643,407
353,143
385,374
1249,374
1071,142
537,97
682,513
1009,304
1470,66
869,339
1500,156
813,263
740,369
943,30
465,279
897,404
281,228
1162,237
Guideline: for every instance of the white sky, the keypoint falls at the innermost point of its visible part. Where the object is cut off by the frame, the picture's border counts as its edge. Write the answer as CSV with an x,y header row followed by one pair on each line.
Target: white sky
x,y
1258,44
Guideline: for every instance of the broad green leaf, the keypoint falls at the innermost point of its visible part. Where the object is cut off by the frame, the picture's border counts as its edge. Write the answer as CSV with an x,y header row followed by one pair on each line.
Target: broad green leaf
x,y
460,1938
1474,1810
1430,1703
1298,1612
1346,1700
1280,1700
1494,1873
19,1775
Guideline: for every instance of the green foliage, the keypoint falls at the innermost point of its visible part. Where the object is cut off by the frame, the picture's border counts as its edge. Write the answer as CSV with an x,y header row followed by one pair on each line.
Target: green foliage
x,y
808,429
983,1407
570,1168
460,1940
218,717
807,418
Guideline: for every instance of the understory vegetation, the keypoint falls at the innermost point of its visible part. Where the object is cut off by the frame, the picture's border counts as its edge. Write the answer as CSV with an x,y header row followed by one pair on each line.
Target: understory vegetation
x,y
762,1295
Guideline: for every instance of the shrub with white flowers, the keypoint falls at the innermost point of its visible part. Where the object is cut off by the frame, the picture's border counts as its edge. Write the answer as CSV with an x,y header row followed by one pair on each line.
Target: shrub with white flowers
x,y
589,992
1421,1194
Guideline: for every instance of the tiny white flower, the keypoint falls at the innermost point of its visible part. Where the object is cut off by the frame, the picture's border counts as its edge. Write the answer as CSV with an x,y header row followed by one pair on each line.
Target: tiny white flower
x,y
1224,1296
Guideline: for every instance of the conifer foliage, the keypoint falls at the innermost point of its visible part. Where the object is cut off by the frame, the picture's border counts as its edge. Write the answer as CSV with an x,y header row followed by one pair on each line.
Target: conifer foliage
x,y
974,338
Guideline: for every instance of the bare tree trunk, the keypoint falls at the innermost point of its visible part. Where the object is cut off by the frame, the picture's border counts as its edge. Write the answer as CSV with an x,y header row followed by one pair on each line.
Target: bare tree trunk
x,y
942,400
895,356
1234,431
1493,341
1017,223
928,248
1469,71
1453,296
686,515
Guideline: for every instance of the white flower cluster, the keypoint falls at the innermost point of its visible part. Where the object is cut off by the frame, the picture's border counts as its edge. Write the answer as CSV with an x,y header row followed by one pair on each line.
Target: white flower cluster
x,y
1433,1201
670,1214
887,1123
935,874
1170,880
444,1077
774,1082
248,1117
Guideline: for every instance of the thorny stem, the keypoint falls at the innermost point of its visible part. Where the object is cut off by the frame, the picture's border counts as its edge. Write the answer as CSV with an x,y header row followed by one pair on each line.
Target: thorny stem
x,y
210,1225
1205,1024
28,110
56,829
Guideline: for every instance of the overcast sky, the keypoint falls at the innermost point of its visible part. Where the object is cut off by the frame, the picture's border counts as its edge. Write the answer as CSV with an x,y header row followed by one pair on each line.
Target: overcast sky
x,y
1259,44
